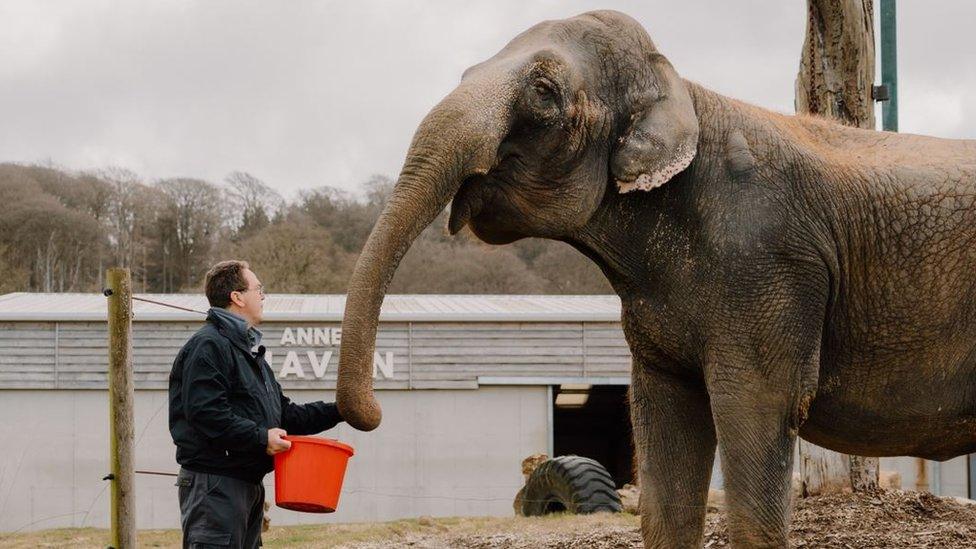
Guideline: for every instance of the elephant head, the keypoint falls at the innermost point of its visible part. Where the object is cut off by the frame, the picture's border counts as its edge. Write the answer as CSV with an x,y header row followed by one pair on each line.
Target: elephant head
x,y
526,145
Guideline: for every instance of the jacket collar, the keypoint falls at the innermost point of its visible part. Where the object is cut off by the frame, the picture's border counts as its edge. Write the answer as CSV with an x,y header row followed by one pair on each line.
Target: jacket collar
x,y
234,327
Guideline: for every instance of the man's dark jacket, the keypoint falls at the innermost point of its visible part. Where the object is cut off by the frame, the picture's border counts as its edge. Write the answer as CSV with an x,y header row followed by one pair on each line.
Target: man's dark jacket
x,y
223,398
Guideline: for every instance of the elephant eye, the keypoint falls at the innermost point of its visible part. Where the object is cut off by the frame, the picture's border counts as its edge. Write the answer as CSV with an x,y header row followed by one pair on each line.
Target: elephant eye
x,y
541,101
543,89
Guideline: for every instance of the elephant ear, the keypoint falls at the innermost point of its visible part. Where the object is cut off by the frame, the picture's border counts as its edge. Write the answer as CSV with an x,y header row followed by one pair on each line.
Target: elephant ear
x,y
662,137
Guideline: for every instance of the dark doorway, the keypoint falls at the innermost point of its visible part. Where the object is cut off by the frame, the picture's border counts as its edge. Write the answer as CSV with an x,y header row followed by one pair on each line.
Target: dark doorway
x,y
594,421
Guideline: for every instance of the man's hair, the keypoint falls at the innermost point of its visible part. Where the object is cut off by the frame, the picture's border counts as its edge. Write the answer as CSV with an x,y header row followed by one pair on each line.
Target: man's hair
x,y
222,279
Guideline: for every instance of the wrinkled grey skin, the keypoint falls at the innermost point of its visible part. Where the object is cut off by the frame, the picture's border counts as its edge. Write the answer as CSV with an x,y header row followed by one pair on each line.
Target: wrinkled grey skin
x,y
798,277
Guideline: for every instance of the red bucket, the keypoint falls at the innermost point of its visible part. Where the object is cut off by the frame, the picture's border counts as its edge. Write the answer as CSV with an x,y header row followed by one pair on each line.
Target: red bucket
x,y
308,477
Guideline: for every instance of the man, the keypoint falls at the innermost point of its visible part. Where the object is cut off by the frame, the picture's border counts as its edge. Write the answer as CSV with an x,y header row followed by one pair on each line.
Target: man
x,y
227,415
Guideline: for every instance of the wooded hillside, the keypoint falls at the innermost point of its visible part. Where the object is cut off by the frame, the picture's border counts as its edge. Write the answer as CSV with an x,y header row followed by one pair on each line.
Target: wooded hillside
x,y
61,230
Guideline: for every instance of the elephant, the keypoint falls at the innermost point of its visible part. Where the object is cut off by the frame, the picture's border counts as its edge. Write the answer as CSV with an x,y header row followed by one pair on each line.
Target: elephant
x,y
779,275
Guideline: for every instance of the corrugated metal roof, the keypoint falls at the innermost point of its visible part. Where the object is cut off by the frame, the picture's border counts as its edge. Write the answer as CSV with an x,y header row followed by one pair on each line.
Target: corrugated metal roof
x,y
296,307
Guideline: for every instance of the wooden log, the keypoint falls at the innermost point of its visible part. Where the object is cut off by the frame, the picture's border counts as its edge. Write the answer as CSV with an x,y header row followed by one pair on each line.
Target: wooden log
x,y
121,399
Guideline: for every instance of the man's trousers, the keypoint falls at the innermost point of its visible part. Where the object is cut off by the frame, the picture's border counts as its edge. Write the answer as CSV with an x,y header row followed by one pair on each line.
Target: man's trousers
x,y
219,511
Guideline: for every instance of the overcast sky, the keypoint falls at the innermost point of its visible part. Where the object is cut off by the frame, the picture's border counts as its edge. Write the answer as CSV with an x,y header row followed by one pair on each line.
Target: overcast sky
x,y
303,94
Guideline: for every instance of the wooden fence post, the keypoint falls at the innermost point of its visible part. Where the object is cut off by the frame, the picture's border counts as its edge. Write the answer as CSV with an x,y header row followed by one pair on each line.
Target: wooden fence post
x,y
121,397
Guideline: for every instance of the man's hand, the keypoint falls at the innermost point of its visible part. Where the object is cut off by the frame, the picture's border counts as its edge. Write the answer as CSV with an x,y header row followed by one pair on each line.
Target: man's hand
x,y
276,444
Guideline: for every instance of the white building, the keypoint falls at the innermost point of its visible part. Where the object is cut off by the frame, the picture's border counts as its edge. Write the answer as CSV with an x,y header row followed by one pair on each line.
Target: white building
x,y
470,385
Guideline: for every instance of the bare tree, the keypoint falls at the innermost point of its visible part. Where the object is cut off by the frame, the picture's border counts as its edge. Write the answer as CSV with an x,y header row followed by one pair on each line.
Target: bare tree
x,y
59,247
14,276
51,238
131,211
836,80
187,227
349,220
252,204
295,255
84,192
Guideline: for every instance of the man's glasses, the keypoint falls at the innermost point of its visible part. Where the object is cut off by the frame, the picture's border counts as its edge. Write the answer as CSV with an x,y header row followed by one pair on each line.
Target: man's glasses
x,y
259,289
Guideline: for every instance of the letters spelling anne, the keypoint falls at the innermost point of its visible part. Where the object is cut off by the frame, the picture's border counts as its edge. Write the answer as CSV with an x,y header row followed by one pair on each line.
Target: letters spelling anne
x,y
301,364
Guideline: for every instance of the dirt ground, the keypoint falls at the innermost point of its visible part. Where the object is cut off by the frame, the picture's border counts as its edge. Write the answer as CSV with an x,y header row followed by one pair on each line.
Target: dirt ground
x,y
886,519
890,518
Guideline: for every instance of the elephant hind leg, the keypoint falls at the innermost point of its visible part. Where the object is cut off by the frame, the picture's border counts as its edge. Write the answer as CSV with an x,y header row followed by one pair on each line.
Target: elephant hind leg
x,y
674,443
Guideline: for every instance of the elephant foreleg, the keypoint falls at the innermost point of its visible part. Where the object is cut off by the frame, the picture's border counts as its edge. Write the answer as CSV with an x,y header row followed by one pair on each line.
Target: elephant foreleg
x,y
756,444
675,447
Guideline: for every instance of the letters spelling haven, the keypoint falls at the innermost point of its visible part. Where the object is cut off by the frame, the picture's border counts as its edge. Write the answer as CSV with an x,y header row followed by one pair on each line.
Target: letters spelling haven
x,y
302,363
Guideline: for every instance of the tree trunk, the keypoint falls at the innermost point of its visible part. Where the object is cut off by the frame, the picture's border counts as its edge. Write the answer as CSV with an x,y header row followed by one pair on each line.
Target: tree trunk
x,y
822,471
837,63
835,80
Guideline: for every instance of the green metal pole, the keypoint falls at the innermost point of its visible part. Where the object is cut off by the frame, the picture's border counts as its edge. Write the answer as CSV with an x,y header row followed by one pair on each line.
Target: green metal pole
x,y
889,66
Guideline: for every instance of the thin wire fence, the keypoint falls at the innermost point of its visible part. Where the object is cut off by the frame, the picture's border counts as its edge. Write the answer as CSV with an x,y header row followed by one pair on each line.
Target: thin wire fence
x,y
170,305
145,428
88,512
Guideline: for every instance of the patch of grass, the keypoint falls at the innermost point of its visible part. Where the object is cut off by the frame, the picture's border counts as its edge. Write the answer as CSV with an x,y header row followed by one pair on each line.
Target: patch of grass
x,y
331,535
84,537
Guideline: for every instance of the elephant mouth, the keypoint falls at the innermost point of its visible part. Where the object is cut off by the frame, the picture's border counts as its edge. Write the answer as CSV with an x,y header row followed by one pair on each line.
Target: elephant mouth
x,y
468,203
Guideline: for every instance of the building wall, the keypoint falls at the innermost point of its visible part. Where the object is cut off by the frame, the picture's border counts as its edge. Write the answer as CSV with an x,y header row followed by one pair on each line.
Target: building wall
x,y
947,478
305,355
438,453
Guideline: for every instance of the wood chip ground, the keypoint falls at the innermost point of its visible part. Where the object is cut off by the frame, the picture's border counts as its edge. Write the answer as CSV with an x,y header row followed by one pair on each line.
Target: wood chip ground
x,y
888,519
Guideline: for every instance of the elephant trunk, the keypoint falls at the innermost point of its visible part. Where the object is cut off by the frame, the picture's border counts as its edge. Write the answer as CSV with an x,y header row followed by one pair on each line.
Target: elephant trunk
x,y
457,139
